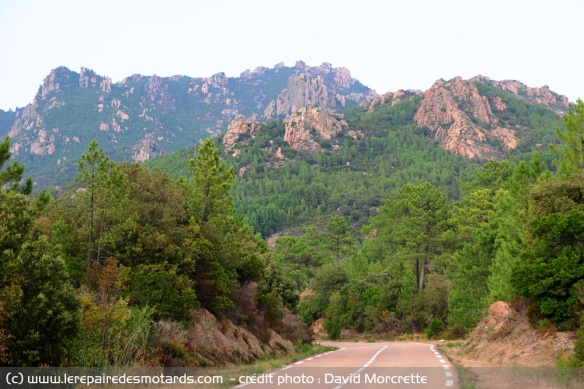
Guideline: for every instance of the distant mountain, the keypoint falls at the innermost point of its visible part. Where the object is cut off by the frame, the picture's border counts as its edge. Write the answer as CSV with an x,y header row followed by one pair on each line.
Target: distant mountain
x,y
142,117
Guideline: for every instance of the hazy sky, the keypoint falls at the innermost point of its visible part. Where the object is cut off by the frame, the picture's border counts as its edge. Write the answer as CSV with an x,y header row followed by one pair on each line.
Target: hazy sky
x,y
386,44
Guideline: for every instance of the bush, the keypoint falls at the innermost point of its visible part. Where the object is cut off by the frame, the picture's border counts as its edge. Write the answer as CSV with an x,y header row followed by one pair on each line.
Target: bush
x,y
579,344
294,329
332,328
159,286
434,328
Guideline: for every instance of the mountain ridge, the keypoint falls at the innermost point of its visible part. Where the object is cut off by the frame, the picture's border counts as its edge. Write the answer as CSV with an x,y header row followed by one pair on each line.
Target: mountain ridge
x,y
143,117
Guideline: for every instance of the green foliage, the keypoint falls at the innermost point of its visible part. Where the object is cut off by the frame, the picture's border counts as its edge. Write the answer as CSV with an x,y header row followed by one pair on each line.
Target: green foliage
x,y
579,345
339,240
43,308
111,333
169,294
297,259
211,184
409,227
12,175
573,140
42,311
434,329
102,201
553,261
335,309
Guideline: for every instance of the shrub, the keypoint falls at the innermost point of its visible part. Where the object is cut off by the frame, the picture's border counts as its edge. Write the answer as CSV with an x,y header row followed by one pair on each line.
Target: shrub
x,y
434,328
579,344
294,329
332,328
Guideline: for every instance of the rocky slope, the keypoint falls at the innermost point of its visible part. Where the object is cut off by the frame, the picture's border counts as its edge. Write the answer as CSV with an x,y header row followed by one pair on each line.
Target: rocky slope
x,y
213,343
505,336
541,96
465,119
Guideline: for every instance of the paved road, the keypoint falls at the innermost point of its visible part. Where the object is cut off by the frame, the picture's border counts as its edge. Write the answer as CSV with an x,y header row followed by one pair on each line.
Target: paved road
x,y
364,365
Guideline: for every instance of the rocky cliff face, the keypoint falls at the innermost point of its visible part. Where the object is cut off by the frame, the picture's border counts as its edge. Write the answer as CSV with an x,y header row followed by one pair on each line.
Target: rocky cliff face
x,y
309,126
308,129
317,87
303,91
146,149
467,123
452,111
541,96
236,129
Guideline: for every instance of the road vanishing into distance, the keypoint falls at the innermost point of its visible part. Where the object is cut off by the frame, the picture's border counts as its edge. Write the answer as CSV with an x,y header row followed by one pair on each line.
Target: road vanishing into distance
x,y
364,365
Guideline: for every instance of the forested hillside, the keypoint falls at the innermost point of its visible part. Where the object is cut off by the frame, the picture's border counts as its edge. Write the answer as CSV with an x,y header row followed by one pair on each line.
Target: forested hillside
x,y
142,117
352,176
408,212
110,272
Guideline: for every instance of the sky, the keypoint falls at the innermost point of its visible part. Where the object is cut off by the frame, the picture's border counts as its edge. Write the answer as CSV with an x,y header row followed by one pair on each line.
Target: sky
x,y
386,44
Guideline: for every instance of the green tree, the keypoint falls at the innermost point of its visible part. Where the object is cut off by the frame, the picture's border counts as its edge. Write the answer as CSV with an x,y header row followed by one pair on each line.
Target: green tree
x,y
410,227
102,199
573,139
13,173
46,314
171,295
553,261
212,182
340,242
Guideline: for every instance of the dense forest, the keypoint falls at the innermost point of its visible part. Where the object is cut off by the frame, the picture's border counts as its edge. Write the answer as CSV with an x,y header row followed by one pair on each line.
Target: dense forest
x,y
86,278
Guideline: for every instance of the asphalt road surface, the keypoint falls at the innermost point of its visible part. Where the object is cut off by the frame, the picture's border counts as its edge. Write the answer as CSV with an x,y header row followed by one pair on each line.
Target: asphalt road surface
x,y
364,365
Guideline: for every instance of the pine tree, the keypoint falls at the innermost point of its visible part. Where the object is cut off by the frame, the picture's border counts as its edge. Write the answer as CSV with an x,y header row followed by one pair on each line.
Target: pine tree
x,y
12,175
573,139
212,182
102,199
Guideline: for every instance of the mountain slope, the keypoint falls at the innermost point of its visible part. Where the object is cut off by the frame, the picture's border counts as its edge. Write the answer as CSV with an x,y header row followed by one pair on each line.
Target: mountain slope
x,y
315,163
142,117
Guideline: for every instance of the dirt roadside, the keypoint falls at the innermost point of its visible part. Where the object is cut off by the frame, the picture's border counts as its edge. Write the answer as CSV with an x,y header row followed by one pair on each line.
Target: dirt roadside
x,y
505,351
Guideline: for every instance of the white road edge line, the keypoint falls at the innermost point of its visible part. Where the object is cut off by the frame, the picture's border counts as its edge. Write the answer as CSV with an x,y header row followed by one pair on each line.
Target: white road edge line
x,y
286,368
449,383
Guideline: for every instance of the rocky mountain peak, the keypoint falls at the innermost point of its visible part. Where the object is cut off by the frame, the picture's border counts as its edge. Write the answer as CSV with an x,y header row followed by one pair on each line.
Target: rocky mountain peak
x,y
541,96
237,128
392,98
462,120
158,93
88,78
303,90
309,126
59,78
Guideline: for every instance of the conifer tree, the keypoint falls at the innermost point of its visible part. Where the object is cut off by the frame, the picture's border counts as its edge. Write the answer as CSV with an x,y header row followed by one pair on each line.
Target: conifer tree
x,y
12,175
